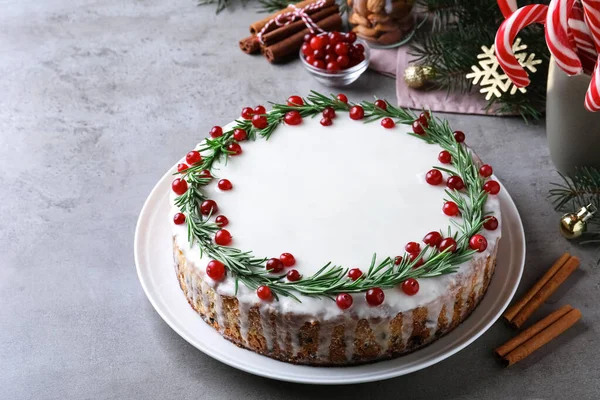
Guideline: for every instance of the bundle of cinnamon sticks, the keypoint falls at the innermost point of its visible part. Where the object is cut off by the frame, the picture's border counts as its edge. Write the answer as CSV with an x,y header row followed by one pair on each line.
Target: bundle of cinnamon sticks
x,y
549,327
280,43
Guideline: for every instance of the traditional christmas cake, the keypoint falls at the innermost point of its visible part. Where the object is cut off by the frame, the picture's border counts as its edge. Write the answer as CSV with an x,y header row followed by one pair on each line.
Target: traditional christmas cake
x,y
330,233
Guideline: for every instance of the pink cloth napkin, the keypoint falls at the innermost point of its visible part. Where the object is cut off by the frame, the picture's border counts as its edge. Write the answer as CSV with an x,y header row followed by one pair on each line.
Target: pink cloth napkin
x,y
393,62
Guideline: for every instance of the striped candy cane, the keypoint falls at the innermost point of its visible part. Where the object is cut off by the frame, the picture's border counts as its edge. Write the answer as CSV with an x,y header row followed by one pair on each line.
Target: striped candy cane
x,y
591,9
557,38
586,49
507,7
506,35
592,97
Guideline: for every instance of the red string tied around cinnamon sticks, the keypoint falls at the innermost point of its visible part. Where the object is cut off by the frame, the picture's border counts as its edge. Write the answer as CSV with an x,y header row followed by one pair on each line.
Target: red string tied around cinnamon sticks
x,y
291,16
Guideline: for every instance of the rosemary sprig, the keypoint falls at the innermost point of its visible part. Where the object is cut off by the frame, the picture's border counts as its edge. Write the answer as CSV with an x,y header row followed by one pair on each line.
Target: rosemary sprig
x,y
332,279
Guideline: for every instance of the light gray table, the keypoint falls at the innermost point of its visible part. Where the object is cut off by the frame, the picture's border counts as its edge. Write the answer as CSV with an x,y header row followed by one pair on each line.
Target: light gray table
x,y
98,99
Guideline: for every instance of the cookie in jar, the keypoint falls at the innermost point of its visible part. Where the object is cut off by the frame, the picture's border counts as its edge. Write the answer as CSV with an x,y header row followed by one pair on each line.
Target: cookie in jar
x,y
382,23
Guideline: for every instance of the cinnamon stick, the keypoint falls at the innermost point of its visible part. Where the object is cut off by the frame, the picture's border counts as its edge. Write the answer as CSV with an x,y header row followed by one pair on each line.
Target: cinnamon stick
x,y
283,32
532,331
258,25
250,45
543,337
514,309
291,45
546,291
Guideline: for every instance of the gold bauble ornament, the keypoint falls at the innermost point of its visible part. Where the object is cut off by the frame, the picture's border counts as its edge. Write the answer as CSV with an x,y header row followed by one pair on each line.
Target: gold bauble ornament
x,y
417,76
573,225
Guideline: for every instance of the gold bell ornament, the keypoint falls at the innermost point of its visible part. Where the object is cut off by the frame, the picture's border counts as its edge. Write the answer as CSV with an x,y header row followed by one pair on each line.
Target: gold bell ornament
x,y
417,76
573,225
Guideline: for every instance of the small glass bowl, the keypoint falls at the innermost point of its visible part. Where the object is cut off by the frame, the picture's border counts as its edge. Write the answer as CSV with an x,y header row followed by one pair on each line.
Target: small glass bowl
x,y
343,77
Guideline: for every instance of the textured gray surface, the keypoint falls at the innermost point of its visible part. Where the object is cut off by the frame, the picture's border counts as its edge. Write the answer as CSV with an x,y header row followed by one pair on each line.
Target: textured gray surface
x,y
98,99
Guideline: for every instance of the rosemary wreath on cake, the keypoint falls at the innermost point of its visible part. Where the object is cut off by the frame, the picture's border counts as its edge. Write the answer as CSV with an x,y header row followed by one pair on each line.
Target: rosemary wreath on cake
x,y
466,197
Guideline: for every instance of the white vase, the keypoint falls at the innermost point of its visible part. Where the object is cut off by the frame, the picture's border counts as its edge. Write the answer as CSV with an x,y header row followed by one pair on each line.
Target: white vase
x,y
573,132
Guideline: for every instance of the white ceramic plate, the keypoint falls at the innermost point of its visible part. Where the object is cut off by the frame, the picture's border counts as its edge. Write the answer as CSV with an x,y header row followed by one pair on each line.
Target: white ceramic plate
x,y
154,261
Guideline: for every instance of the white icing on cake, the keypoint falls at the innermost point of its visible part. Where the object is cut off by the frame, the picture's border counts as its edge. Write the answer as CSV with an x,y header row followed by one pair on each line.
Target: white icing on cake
x,y
336,193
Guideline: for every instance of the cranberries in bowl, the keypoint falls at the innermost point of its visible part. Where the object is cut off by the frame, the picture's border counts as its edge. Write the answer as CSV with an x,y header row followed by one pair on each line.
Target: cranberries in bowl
x,y
335,58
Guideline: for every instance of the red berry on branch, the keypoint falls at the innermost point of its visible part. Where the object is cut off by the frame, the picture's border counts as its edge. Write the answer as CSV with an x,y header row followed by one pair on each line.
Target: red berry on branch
x,y
209,207
424,116
205,174
381,104
216,131
179,186
247,113
445,157
259,121
354,274
179,219
448,244
417,127
274,265
215,270
492,187
433,239
455,182
486,170
240,135
295,101
225,184
181,167
459,136
221,221
412,248
397,260
388,123
235,149
450,209
375,296
478,242
357,112
344,300
260,110
193,157
343,61
434,177
223,237
264,293
410,286
293,118
326,121
350,37
329,112
293,275
342,97
287,259
490,223
413,257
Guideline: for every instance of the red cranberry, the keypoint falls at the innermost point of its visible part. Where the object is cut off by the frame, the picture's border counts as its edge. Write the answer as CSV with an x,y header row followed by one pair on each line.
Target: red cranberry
x,y
445,157
455,182
293,118
319,54
359,48
240,135
490,223
308,36
293,275
343,98
179,219
381,104
341,49
318,64
397,260
492,187
410,286
287,259
319,42
433,239
215,270
222,220
450,209
486,170
418,128
326,121
357,112
343,61
412,248
208,207
329,58
264,293
234,149
459,136
343,300
354,274
388,123
274,265
333,66
205,174
375,296
181,167
216,131
334,38
179,186
478,242
260,110
350,37
306,49
259,121
247,113
424,116
448,244
193,157
310,59
225,184
329,112
413,257
434,177
223,237
295,101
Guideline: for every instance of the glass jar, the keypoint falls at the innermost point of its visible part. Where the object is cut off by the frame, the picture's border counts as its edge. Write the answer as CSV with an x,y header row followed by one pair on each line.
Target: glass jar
x,y
382,23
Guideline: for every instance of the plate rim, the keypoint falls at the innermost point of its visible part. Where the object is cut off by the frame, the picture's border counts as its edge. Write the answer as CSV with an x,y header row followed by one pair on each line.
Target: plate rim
x,y
391,372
